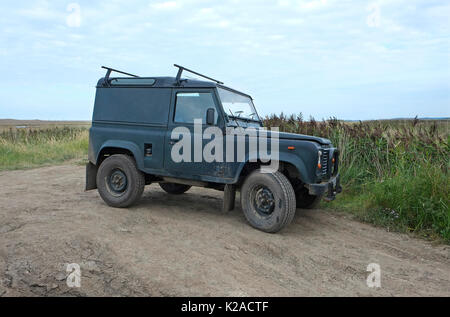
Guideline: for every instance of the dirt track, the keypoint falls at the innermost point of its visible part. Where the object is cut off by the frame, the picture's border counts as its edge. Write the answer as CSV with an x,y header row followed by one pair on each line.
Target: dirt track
x,y
183,245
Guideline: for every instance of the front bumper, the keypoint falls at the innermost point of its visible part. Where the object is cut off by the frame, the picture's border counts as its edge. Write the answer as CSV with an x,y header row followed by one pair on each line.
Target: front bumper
x,y
328,189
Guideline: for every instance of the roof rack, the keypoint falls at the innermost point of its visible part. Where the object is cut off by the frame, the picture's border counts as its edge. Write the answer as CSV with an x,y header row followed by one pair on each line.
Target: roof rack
x,y
181,69
110,70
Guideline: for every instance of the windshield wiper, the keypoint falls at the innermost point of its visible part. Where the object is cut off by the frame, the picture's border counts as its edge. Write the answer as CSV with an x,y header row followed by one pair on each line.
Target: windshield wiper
x,y
254,120
236,119
233,116
239,113
252,115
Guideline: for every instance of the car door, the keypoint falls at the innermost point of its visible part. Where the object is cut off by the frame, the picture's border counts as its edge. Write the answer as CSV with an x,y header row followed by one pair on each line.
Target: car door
x,y
187,106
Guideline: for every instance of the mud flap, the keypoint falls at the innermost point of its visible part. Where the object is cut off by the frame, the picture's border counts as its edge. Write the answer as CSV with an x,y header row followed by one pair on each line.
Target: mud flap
x,y
91,176
229,198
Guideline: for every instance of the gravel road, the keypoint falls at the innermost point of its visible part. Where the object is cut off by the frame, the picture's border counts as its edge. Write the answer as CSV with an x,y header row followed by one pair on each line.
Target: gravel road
x,y
183,245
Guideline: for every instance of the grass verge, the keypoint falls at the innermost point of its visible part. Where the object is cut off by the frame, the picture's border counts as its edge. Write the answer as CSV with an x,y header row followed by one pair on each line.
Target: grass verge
x,y
25,148
406,203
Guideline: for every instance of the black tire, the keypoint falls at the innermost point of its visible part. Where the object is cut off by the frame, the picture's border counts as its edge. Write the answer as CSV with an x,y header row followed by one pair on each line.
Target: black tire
x,y
305,200
119,182
268,201
174,189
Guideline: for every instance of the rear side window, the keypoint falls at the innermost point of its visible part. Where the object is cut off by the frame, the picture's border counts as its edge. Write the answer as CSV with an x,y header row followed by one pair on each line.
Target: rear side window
x,y
133,105
194,105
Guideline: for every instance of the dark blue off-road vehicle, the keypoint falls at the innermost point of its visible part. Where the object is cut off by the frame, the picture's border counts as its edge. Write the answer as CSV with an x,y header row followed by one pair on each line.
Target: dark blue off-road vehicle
x,y
135,141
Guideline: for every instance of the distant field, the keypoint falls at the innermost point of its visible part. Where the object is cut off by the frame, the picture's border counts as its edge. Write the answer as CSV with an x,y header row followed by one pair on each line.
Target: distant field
x,y
6,124
442,125
26,144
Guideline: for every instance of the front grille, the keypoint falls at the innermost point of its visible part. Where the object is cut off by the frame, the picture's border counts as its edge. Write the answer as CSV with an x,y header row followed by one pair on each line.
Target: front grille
x,y
325,162
335,168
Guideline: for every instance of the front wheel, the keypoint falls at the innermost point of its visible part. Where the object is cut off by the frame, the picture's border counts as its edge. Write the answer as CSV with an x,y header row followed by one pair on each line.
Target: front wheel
x,y
268,201
119,182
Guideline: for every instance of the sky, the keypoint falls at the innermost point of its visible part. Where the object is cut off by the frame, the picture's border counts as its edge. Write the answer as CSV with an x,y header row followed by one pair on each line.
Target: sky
x,y
349,59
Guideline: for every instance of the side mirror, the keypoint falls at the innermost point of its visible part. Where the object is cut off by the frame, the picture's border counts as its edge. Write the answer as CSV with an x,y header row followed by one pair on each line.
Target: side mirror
x,y
210,114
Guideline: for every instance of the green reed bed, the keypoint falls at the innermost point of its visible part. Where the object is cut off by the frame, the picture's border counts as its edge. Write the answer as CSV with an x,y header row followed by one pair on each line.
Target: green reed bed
x,y
394,173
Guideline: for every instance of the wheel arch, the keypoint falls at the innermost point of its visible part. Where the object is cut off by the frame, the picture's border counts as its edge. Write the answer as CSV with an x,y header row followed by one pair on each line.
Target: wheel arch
x,y
120,147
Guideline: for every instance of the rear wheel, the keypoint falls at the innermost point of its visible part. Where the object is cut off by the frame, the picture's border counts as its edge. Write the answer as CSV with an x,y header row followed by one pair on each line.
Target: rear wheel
x,y
119,182
174,189
268,201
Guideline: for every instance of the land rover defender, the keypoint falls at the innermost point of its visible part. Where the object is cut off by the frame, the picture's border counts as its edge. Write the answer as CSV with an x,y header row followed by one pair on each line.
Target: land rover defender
x,y
139,123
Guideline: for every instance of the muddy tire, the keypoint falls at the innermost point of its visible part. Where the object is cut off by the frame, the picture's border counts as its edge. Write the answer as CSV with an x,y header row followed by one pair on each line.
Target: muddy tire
x,y
305,200
268,201
174,189
119,182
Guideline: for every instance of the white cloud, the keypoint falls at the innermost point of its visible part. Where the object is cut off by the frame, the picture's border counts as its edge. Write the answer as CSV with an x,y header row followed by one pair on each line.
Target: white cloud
x,y
276,37
294,21
311,4
41,10
168,5
209,17
221,24
303,5
284,3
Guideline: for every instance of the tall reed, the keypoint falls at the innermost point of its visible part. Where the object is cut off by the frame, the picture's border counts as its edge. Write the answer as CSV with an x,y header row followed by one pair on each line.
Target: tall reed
x,y
394,173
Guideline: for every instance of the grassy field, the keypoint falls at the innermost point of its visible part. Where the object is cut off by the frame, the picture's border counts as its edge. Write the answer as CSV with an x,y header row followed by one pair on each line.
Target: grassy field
x,y
31,147
11,124
395,173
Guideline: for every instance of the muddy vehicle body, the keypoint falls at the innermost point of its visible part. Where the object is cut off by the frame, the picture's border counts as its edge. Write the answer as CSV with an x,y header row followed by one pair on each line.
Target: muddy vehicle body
x,y
132,142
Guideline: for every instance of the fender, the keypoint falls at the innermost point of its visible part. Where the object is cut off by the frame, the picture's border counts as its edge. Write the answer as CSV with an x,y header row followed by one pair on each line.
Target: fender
x,y
126,145
291,158
299,164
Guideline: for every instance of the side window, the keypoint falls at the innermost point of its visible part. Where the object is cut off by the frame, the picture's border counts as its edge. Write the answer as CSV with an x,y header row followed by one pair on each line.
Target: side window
x,y
194,105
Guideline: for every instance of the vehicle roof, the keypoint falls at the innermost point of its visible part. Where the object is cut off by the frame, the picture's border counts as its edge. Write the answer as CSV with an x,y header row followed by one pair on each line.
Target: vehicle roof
x,y
167,82
170,82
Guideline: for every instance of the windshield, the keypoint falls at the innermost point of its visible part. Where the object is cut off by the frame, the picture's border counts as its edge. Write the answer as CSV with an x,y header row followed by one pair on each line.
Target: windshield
x,y
237,106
